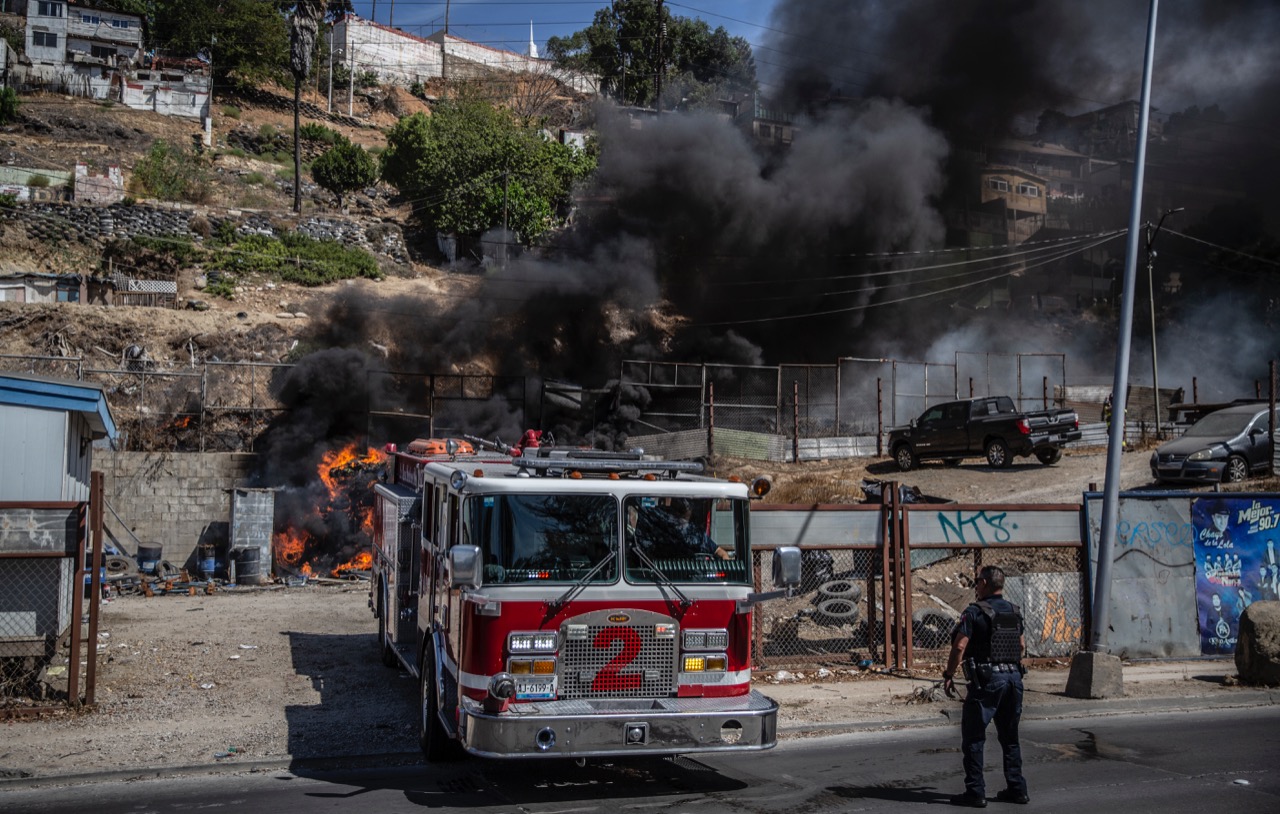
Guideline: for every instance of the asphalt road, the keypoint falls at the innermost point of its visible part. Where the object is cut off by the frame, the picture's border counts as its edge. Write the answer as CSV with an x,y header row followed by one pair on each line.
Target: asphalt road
x,y
1169,763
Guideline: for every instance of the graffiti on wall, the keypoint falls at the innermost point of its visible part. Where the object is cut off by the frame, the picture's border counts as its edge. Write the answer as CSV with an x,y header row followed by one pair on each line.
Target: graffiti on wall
x,y
1236,564
975,527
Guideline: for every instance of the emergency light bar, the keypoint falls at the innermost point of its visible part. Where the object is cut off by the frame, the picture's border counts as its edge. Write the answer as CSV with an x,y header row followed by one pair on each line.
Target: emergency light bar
x,y
545,466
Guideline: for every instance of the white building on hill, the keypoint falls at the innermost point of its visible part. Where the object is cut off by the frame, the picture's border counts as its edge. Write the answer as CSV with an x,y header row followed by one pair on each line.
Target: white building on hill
x,y
400,58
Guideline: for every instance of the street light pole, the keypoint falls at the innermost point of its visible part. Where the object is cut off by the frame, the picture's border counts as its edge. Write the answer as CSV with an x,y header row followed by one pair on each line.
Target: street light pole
x,y
1151,295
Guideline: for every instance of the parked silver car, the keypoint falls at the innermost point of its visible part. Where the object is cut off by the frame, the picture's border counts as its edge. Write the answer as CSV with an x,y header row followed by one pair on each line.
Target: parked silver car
x,y
1227,445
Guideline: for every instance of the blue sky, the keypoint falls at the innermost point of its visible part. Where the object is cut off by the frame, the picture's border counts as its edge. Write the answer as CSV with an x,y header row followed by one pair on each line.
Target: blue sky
x,y
505,23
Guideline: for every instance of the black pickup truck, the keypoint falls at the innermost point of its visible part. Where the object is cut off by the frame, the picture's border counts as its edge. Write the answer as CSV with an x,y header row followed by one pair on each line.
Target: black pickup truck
x,y
988,426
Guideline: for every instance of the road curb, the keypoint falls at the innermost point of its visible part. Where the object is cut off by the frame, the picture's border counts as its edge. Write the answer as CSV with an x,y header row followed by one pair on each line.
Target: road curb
x,y
1076,708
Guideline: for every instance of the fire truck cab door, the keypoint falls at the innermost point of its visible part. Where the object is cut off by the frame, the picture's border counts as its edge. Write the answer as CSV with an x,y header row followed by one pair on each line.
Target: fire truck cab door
x,y
432,603
452,626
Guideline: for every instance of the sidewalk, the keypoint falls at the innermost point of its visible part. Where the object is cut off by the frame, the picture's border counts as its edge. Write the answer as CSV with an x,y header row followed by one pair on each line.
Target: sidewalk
x,y
812,704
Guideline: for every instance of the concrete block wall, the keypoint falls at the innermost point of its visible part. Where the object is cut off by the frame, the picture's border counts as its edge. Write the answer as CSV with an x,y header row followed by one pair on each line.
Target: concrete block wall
x,y
173,499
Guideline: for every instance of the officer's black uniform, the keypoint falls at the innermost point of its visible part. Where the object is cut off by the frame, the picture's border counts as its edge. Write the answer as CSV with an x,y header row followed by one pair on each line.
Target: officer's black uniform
x,y
995,693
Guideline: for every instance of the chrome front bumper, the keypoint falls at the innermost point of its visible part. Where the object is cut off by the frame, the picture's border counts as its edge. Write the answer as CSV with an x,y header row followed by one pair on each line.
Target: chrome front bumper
x,y
632,726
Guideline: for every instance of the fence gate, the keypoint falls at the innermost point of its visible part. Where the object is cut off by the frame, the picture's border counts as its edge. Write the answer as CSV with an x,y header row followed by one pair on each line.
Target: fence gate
x,y
887,583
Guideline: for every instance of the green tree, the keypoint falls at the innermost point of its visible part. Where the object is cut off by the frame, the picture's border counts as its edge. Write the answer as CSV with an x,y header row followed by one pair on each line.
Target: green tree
x,y
621,47
8,105
248,39
344,168
471,166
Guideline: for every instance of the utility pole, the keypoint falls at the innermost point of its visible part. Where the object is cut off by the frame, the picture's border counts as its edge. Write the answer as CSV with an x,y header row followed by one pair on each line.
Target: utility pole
x,y
444,46
391,21
1151,295
1095,672
662,65
351,69
329,109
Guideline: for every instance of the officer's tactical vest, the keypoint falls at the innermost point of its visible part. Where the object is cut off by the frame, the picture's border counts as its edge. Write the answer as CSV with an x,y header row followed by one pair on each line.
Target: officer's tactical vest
x,y
1006,638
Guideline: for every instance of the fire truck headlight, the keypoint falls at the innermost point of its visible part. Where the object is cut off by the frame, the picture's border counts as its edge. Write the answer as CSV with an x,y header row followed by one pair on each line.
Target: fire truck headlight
x,y
458,479
540,642
706,639
502,686
521,667
544,667
694,664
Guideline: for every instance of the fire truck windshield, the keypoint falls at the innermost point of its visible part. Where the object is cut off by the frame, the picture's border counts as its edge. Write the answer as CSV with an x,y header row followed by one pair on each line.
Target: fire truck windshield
x,y
543,538
695,540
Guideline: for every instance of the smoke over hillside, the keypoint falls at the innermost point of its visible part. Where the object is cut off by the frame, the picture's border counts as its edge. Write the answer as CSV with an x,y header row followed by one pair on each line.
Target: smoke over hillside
x,y
980,67
693,244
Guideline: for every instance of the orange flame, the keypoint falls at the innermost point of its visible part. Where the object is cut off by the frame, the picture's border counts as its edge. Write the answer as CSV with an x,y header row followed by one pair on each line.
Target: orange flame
x,y
182,422
343,459
361,562
290,546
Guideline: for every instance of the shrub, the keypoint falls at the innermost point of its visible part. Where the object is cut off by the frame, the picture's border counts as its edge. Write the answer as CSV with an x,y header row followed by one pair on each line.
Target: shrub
x,y
199,225
298,259
225,231
417,89
255,179
38,181
8,200
367,79
268,132
224,286
231,111
171,174
182,249
8,105
318,132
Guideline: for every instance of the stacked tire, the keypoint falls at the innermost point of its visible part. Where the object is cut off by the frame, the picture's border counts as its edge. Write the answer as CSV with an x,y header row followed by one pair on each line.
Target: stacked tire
x,y
837,602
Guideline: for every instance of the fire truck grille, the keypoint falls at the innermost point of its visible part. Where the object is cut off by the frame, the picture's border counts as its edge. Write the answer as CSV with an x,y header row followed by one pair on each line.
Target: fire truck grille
x,y
618,661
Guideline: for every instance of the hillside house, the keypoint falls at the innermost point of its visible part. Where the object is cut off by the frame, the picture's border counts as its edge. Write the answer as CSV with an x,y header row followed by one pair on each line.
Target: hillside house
x,y
1020,194
73,49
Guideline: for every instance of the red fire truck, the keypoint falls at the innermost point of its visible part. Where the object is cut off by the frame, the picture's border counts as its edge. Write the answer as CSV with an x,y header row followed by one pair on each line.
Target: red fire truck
x,y
571,603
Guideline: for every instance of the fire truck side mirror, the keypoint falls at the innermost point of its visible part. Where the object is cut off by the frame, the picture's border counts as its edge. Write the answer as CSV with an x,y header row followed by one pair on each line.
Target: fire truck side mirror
x,y
465,563
786,566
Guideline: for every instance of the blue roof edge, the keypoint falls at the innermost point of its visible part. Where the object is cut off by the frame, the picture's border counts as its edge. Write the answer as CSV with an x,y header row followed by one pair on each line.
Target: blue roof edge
x,y
57,394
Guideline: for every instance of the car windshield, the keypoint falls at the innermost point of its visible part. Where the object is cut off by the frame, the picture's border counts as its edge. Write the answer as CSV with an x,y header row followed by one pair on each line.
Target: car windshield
x,y
1220,425
687,540
543,538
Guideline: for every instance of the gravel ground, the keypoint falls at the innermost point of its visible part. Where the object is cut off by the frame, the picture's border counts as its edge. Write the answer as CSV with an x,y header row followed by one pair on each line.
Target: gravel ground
x,y
250,674
275,673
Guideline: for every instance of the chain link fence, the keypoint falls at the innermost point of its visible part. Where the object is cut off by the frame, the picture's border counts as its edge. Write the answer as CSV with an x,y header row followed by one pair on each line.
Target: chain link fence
x,y
837,617
226,406
42,606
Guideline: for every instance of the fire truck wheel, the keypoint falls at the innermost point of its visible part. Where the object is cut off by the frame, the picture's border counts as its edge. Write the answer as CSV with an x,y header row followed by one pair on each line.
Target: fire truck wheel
x,y
841,589
837,612
436,744
389,657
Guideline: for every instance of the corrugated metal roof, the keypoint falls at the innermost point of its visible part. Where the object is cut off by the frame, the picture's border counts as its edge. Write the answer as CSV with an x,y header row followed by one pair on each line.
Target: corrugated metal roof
x,y
60,394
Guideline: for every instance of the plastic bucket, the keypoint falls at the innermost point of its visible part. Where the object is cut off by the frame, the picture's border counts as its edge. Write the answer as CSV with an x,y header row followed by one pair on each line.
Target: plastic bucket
x,y
149,556
208,564
249,566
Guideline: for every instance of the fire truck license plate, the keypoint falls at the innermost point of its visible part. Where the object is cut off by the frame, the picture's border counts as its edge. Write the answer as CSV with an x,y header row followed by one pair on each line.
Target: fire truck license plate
x,y
542,688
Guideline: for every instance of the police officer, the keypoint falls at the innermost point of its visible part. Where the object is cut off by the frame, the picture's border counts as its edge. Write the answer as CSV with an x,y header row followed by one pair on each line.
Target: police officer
x,y
988,638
